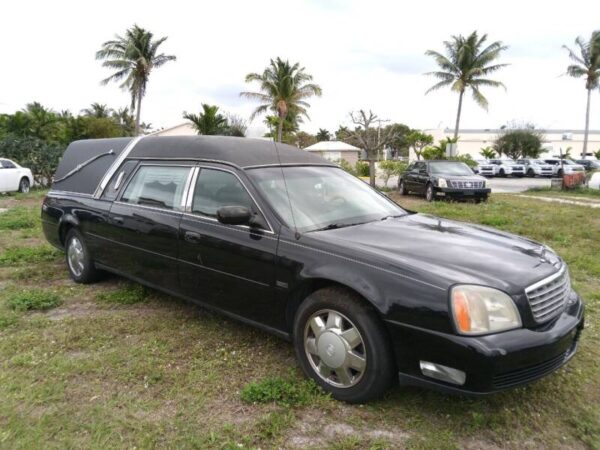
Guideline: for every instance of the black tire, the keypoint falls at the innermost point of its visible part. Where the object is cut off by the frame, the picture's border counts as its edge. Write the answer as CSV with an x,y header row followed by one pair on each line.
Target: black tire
x,y
530,173
502,173
379,367
559,173
401,188
429,193
24,185
87,272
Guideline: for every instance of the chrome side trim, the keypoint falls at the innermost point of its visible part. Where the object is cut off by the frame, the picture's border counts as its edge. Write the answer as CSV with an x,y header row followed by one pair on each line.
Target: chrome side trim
x,y
186,189
115,165
57,193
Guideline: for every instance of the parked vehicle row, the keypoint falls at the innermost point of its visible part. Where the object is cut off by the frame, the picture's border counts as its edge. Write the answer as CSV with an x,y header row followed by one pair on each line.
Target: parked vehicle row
x,y
367,291
547,167
13,177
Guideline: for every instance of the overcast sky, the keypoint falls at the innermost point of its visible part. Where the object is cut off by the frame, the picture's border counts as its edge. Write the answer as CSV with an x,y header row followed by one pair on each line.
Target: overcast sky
x,y
365,54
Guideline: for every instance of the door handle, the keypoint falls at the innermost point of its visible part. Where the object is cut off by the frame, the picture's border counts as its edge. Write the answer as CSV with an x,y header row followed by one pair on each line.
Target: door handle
x,y
193,237
118,220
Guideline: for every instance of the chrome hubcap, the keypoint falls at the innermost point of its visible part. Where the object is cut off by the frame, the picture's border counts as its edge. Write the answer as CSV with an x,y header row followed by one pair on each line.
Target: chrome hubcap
x,y
24,187
335,348
75,256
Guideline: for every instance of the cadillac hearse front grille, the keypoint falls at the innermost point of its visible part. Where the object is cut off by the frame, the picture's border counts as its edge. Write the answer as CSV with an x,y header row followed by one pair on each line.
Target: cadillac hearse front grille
x,y
547,298
460,184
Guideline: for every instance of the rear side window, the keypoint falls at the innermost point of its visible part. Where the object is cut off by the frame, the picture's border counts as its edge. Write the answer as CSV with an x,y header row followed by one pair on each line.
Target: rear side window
x,y
118,180
157,186
7,164
217,188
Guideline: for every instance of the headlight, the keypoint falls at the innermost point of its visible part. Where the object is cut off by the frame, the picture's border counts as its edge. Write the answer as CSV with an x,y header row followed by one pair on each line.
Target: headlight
x,y
482,310
441,182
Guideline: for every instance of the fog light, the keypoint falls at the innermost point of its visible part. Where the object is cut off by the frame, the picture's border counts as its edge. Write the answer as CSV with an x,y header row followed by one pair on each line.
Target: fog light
x,y
443,373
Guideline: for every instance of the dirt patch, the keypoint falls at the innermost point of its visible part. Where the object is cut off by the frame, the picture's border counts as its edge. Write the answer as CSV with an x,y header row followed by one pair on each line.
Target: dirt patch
x,y
69,311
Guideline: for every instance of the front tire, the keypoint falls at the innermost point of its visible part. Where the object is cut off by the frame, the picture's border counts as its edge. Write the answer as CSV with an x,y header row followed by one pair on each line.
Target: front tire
x,y
429,193
402,189
24,185
79,261
531,173
502,173
341,344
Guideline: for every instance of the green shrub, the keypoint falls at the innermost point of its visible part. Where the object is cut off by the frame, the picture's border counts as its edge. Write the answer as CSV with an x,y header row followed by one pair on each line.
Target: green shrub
x,y
19,255
33,299
127,295
389,168
280,391
362,168
345,165
434,153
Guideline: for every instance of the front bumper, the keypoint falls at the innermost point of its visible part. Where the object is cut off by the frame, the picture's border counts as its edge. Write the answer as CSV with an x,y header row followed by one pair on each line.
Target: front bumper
x,y
461,192
494,362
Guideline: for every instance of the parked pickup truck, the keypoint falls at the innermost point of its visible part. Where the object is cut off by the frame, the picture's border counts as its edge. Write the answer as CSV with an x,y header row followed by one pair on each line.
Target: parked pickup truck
x,y
537,167
567,167
501,168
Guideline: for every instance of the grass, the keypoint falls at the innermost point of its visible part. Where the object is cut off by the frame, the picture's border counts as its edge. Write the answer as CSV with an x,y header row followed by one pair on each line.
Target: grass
x,y
17,218
116,365
29,299
577,192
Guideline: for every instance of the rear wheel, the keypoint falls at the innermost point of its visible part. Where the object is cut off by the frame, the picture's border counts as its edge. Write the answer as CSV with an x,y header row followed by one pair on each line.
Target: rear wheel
x,y
24,185
502,173
402,189
429,193
530,173
79,261
341,344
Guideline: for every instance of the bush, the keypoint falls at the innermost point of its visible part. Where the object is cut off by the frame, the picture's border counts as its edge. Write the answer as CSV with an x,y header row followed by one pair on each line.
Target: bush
x,y
40,156
280,391
390,168
467,159
33,299
434,153
522,142
362,168
345,165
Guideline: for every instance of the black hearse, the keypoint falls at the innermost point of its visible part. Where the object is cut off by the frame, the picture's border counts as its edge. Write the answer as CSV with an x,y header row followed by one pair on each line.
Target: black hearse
x,y
284,240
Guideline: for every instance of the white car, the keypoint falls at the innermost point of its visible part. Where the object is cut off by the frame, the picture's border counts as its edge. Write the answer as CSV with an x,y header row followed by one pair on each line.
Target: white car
x,y
501,168
567,167
537,167
13,177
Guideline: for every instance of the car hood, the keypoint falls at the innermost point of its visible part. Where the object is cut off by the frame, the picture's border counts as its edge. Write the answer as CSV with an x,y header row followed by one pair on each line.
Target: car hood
x,y
449,251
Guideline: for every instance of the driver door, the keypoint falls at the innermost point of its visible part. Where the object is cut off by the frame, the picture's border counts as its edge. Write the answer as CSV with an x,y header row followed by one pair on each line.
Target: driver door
x,y
230,267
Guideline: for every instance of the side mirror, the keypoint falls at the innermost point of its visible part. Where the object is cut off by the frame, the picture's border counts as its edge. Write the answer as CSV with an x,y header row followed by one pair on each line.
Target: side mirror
x,y
234,215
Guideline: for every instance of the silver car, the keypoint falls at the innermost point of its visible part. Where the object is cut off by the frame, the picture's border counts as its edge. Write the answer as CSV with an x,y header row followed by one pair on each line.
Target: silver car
x,y
537,167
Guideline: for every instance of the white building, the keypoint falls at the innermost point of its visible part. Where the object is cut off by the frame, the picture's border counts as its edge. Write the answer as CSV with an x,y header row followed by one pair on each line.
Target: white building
x,y
471,141
336,151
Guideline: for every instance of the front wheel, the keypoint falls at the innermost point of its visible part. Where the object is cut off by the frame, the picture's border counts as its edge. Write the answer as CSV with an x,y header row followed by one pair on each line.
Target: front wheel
x,y
559,173
531,173
402,188
341,344
79,261
502,173
24,186
429,193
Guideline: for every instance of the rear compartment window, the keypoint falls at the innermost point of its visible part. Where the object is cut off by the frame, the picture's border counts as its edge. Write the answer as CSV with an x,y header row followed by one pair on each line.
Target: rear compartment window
x,y
157,186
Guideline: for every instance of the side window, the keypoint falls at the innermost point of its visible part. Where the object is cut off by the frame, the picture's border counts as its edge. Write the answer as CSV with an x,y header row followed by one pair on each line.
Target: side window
x,y
411,167
158,186
118,179
217,188
7,164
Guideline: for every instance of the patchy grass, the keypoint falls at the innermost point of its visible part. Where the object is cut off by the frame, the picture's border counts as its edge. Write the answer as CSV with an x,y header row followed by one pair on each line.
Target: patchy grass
x,y
282,391
128,294
17,218
33,299
162,373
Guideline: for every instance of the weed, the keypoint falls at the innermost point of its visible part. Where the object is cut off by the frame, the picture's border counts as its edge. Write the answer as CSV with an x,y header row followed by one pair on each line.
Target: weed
x,y
33,299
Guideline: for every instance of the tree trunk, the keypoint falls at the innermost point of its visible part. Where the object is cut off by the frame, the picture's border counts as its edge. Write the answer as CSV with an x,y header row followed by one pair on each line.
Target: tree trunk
x,y
372,172
587,125
460,97
138,115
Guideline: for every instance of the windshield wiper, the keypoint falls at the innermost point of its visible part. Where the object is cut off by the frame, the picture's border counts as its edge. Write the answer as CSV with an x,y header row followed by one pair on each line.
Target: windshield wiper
x,y
334,226
392,216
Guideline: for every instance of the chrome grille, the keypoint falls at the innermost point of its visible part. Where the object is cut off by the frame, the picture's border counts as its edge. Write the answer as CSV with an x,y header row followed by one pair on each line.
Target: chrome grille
x,y
547,298
460,184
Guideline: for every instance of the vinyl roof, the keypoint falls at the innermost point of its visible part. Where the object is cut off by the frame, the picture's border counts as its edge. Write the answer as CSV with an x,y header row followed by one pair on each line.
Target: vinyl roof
x,y
242,152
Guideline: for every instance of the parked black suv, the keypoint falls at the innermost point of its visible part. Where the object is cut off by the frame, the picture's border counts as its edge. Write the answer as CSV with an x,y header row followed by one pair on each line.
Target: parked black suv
x,y
367,291
443,179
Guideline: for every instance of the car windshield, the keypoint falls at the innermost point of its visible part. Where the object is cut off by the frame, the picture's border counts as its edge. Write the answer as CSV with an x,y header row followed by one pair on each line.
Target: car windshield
x,y
321,197
510,162
538,161
450,168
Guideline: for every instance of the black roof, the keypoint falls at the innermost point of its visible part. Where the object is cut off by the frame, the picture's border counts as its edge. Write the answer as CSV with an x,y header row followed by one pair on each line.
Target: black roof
x,y
85,163
242,152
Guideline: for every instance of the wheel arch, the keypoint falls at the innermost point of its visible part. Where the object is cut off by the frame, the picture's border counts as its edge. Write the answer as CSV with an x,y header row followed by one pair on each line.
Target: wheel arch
x,y
66,223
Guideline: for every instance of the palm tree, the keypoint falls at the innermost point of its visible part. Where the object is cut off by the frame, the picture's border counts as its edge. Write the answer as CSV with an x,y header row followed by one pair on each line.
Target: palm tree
x,y
587,64
97,110
283,89
133,56
465,65
209,121
323,135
